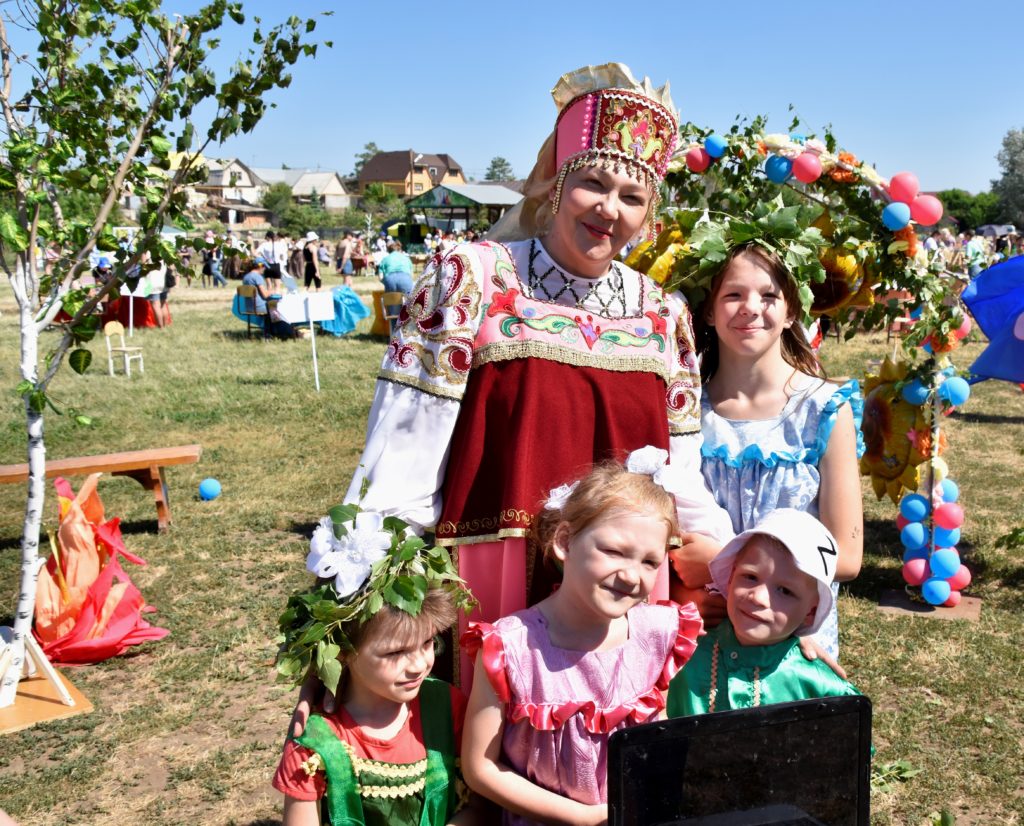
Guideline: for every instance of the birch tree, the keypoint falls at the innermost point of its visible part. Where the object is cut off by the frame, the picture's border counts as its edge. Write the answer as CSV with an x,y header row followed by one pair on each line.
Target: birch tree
x,y
106,97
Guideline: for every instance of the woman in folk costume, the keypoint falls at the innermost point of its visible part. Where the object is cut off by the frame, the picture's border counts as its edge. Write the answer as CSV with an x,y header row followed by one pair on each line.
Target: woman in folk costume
x,y
515,367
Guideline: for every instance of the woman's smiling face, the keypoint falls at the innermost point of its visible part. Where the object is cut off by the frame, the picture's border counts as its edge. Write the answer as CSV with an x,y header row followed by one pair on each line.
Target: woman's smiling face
x,y
600,211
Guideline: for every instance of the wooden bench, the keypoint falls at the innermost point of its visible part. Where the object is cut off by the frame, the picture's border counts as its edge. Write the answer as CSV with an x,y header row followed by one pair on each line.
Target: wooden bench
x,y
144,466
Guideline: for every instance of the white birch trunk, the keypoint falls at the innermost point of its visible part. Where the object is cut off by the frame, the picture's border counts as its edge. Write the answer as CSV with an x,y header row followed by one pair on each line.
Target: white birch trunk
x,y
36,494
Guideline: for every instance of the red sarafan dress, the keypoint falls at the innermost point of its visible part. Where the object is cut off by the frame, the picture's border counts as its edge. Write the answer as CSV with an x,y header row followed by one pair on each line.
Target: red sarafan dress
x,y
507,377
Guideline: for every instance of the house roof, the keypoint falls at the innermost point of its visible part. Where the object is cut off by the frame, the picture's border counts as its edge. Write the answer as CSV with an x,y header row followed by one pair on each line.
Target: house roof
x,y
301,181
460,195
395,166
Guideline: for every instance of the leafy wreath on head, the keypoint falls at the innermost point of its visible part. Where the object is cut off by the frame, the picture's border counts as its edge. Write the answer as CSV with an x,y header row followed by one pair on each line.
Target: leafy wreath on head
x,y
363,561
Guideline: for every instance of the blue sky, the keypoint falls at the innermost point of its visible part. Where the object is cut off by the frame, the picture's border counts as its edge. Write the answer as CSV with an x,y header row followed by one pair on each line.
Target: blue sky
x,y
919,86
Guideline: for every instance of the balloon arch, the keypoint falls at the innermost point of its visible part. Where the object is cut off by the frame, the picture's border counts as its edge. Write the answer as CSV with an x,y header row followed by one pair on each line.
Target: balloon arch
x,y
849,238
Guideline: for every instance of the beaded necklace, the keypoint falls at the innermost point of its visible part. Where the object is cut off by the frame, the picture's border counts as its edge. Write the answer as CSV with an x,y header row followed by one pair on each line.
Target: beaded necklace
x,y
713,691
615,282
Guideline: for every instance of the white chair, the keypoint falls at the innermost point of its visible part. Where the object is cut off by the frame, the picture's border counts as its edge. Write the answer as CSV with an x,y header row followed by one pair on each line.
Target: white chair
x,y
129,354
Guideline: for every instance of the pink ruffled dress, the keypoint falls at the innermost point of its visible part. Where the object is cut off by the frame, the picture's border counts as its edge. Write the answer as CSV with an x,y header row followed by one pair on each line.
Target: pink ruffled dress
x,y
561,706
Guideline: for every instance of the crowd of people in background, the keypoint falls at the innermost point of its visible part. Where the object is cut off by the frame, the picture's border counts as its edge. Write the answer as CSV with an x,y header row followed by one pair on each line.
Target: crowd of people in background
x,y
971,252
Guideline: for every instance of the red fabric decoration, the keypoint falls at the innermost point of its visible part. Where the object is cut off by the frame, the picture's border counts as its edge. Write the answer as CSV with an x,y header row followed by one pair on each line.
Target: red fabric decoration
x,y
87,609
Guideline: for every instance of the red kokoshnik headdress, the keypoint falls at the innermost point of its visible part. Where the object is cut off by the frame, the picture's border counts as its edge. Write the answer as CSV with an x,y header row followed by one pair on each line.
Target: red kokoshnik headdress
x,y
607,118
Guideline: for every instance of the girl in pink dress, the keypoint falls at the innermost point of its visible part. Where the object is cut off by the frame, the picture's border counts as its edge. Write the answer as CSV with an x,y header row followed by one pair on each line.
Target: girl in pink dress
x,y
553,682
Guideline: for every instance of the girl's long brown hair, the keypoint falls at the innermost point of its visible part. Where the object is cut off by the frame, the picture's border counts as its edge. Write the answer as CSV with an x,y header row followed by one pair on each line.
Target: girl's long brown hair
x,y
795,348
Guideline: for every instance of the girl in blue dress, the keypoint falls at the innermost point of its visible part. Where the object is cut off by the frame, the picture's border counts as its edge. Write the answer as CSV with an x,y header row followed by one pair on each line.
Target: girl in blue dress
x,y
776,433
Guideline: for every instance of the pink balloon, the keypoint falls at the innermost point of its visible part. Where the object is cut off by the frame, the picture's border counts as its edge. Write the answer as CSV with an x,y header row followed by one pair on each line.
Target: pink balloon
x,y
901,521
916,571
961,579
964,328
949,515
926,210
697,158
904,187
953,601
807,167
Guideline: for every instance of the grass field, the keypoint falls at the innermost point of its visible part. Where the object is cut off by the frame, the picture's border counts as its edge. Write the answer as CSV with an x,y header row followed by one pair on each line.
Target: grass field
x,y
189,729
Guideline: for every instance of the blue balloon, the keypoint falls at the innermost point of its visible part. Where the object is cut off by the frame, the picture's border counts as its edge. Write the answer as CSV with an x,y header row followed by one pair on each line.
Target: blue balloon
x,y
946,537
935,591
927,347
778,169
715,145
950,491
916,553
914,535
949,371
955,390
916,313
209,489
915,393
896,216
944,563
914,507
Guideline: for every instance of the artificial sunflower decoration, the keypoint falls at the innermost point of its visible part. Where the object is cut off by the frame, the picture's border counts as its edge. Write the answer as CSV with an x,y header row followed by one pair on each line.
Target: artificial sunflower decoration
x,y
897,434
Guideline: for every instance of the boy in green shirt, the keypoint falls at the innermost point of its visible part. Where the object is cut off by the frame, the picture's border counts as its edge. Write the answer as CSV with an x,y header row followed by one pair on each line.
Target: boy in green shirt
x,y
777,581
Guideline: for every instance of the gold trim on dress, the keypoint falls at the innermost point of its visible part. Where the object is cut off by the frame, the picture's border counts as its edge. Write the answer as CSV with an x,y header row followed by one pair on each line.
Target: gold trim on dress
x,y
614,362
392,771
504,533
424,386
393,792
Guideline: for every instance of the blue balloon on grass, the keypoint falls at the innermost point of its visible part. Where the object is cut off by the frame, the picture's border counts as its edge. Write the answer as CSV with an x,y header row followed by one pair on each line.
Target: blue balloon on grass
x,y
778,169
944,563
950,491
914,507
209,489
896,216
915,393
946,537
935,591
715,145
914,535
915,553
955,390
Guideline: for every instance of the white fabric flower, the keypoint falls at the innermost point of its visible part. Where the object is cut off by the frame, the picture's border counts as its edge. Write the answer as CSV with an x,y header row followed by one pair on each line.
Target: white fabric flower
x,y
320,546
647,460
653,461
559,496
367,538
348,559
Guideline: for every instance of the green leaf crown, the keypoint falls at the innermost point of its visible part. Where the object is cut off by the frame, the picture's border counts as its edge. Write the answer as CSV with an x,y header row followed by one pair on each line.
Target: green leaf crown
x,y
707,238
364,561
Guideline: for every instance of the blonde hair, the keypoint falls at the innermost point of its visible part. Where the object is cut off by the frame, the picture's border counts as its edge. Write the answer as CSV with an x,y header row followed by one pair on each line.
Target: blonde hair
x,y
795,348
535,216
607,489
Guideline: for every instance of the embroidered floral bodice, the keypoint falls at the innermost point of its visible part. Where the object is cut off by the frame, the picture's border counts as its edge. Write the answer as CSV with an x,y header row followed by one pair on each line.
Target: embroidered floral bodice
x,y
488,302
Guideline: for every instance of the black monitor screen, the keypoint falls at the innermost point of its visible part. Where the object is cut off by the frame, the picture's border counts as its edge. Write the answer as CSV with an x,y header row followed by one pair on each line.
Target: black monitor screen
x,y
791,763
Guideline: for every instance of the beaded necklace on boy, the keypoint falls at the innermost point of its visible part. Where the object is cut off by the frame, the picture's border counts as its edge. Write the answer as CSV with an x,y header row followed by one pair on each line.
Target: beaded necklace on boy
x,y
713,691
613,294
